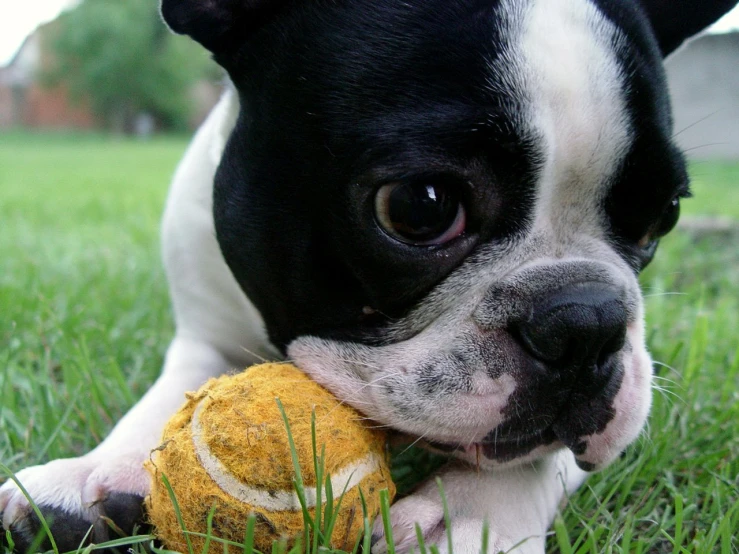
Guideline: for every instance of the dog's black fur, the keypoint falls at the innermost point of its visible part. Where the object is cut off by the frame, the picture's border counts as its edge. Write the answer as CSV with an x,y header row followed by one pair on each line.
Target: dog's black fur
x,y
341,97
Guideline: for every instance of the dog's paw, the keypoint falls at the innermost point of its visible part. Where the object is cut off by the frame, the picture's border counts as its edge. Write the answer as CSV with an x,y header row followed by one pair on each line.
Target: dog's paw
x,y
424,509
405,515
84,500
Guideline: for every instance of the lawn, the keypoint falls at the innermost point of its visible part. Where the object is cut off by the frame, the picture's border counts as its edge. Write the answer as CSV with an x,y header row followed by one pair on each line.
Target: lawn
x,y
85,320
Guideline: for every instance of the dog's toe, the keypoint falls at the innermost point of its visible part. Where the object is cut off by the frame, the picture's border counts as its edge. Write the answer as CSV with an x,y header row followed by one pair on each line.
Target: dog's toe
x,y
81,500
70,531
405,515
117,516
125,510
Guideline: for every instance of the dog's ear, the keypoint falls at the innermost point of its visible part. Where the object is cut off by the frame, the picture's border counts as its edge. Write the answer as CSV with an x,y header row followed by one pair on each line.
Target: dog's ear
x,y
218,24
674,21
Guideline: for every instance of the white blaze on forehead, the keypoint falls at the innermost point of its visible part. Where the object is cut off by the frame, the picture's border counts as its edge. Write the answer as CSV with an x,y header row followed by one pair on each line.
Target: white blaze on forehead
x,y
566,64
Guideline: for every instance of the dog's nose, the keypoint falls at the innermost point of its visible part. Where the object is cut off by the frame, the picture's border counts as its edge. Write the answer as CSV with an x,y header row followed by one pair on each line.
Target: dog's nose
x,y
578,326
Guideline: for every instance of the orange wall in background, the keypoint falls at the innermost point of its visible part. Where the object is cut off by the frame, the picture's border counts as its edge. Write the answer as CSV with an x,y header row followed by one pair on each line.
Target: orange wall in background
x,y
53,108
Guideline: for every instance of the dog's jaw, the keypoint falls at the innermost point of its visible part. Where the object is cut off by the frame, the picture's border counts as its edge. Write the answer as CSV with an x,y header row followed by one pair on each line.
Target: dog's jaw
x,y
472,388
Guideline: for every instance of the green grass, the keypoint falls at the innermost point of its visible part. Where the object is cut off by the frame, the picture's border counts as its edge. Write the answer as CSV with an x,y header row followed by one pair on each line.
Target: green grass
x,y
716,190
83,299
84,311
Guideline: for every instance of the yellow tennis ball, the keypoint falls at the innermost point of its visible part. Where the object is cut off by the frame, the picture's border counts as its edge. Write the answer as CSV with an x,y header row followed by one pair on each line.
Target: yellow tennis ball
x,y
228,448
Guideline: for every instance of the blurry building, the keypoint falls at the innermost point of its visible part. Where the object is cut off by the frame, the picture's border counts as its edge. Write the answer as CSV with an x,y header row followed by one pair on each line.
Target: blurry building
x,y
704,82
25,102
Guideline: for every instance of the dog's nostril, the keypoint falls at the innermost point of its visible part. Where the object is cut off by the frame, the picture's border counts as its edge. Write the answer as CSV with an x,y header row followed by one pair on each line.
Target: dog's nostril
x,y
612,345
577,326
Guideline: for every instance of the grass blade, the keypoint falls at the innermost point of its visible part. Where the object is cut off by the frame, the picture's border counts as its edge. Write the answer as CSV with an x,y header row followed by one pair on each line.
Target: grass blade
x,y
421,541
318,470
385,511
297,479
177,513
447,517
251,522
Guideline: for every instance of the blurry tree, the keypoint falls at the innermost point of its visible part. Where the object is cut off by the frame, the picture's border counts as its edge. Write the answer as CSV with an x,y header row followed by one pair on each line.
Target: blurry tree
x,y
120,55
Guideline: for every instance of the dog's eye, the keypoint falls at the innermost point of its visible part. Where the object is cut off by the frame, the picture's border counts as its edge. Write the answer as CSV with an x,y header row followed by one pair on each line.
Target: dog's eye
x,y
420,213
669,219
665,224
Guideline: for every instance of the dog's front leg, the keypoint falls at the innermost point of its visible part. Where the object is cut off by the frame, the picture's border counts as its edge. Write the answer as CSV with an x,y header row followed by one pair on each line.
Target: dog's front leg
x,y
517,504
75,494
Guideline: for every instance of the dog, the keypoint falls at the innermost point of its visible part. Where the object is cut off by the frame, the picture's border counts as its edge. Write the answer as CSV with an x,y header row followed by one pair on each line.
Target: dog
x,y
438,209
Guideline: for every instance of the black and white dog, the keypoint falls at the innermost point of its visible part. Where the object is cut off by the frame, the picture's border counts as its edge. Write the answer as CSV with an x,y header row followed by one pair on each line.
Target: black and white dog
x,y
438,209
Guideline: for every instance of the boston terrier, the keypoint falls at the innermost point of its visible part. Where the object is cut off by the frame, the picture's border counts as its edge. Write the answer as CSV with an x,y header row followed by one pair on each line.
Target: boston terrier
x,y
438,209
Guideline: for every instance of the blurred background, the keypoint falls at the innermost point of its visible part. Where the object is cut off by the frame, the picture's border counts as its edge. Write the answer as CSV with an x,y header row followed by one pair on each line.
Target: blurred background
x,y
113,66
100,65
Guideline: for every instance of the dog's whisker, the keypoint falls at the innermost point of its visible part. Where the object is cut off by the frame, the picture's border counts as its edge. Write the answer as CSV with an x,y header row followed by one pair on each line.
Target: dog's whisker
x,y
662,364
254,354
652,295
697,122
668,394
353,396
375,424
379,427
672,382
706,145
411,445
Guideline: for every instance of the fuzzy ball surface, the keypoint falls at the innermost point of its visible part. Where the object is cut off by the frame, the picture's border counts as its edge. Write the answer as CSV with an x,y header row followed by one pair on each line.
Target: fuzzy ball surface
x,y
226,451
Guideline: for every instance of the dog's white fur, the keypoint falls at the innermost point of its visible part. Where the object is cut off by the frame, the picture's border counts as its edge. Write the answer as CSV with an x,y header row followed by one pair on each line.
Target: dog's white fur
x,y
580,117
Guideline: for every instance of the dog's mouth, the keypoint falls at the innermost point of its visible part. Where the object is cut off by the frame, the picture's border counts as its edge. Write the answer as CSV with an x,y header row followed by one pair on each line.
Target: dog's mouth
x,y
500,449
509,448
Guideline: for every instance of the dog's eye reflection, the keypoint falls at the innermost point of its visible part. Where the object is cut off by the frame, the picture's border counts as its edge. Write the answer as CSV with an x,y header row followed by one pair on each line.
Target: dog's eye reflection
x,y
665,224
420,213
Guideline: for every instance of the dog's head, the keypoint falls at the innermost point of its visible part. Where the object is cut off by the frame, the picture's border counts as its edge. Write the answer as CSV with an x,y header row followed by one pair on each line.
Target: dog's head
x,y
440,208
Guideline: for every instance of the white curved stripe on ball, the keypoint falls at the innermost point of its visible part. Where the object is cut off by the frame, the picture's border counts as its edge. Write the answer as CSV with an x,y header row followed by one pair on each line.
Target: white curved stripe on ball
x,y
274,501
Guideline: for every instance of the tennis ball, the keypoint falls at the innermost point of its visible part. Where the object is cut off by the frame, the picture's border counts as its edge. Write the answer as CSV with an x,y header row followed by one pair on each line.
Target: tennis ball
x,y
227,450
